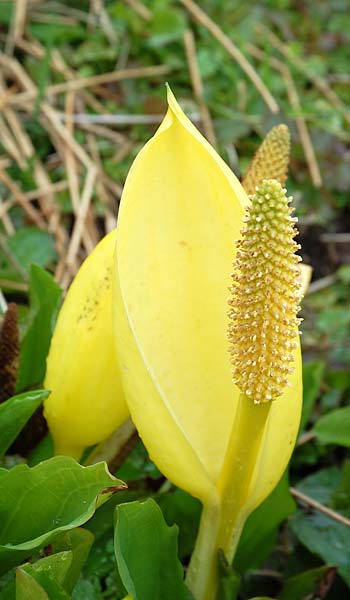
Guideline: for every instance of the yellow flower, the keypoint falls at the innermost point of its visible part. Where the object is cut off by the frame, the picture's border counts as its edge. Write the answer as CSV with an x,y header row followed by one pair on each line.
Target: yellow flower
x,y
86,403
181,211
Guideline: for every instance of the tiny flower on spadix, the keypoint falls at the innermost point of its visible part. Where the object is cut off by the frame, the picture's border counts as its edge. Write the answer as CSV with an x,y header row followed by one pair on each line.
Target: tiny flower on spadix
x,y
265,298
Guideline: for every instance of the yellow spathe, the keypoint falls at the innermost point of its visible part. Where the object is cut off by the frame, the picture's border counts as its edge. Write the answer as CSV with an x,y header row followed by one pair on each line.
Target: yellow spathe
x,y
86,403
180,214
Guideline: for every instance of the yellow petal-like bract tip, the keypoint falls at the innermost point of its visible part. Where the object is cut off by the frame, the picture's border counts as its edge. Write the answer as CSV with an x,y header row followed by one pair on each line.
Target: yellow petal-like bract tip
x,y
180,209
271,159
86,403
265,296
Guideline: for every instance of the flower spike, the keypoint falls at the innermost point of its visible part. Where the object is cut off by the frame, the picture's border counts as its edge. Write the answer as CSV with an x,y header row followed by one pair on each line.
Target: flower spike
x,y
265,296
271,159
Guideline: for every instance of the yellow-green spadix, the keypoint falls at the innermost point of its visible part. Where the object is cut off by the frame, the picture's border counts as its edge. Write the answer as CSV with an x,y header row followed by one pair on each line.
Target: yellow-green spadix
x,y
181,211
86,403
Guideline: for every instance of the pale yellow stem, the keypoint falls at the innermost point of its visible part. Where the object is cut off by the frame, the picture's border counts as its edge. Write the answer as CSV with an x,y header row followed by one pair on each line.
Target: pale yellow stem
x,y
202,575
234,484
221,524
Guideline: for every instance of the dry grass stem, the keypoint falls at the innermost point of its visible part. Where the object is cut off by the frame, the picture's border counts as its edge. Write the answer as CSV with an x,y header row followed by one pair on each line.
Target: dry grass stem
x,y
109,134
301,65
103,18
140,9
10,145
18,21
236,54
320,507
294,101
197,85
33,214
81,216
17,286
94,81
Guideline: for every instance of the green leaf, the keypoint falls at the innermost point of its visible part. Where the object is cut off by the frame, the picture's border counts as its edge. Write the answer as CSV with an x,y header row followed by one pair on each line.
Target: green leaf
x,y
229,579
6,9
45,297
36,504
32,245
146,553
27,588
56,33
167,26
260,531
49,572
322,535
138,465
312,379
334,427
42,451
341,495
56,566
321,485
308,584
181,509
78,542
15,412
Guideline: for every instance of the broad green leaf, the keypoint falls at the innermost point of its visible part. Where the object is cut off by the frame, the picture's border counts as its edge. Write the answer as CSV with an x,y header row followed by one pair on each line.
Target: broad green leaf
x,y
260,531
45,296
322,535
181,509
49,572
312,379
334,427
103,520
146,553
56,565
15,412
86,590
55,496
32,245
321,485
307,584
78,542
27,588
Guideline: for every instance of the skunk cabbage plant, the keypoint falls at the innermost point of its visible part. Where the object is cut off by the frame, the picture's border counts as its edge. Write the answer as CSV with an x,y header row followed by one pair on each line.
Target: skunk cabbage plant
x,y
225,443
208,366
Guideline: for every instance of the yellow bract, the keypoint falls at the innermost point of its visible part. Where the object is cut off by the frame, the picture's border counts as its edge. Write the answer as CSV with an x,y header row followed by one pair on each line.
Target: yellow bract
x,y
181,212
86,403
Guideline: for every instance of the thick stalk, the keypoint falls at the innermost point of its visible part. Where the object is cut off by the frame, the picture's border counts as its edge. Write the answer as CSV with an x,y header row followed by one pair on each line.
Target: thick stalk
x,y
202,575
221,525
234,485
